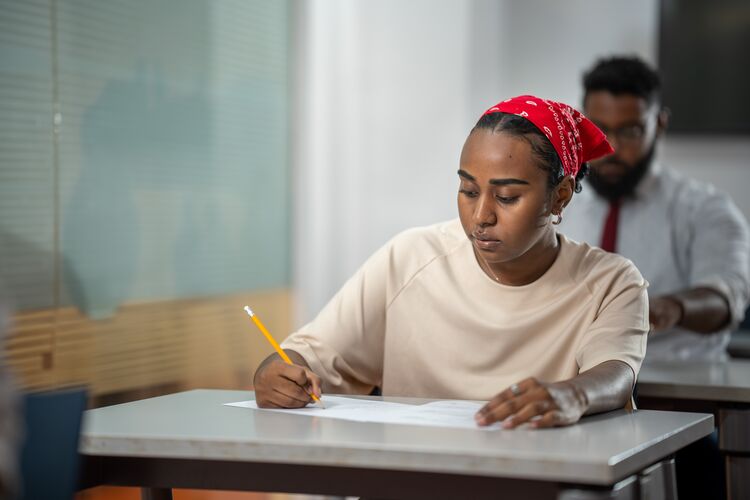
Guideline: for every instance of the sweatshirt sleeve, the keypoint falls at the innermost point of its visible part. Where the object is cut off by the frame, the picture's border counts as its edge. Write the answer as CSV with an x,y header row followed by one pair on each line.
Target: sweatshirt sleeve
x,y
344,344
620,329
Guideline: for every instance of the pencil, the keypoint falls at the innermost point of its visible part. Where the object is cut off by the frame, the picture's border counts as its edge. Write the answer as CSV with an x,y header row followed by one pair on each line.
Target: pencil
x,y
277,347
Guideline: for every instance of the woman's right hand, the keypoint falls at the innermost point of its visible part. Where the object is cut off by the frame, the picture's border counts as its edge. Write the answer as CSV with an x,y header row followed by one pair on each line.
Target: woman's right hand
x,y
281,385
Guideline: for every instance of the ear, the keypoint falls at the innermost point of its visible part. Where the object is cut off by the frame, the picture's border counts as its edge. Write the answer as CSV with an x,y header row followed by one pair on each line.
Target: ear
x,y
662,121
562,194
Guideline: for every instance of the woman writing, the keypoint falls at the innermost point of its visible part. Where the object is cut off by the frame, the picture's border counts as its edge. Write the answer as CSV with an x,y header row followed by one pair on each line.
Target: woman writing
x,y
493,306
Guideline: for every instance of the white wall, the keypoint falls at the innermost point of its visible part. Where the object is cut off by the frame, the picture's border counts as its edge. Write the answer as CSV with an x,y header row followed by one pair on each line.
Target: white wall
x,y
387,91
380,118
552,43
721,161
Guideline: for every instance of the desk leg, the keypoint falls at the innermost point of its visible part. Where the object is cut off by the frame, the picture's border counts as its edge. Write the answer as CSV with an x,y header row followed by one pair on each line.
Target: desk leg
x,y
656,482
734,442
156,493
659,481
738,480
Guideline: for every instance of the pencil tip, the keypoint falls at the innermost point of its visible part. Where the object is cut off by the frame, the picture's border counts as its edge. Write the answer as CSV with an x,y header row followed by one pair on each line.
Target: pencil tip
x,y
248,310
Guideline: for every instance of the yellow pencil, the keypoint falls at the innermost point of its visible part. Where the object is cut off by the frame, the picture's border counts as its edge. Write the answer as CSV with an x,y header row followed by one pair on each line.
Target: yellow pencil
x,y
277,347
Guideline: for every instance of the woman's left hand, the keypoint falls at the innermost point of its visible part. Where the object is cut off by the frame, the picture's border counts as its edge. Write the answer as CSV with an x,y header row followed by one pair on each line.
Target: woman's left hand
x,y
539,404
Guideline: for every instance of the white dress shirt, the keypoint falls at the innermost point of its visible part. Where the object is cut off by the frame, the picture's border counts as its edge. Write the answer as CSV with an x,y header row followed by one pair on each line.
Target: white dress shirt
x,y
680,233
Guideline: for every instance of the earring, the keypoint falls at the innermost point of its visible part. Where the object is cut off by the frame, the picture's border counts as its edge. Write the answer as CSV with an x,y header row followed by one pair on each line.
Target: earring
x,y
559,219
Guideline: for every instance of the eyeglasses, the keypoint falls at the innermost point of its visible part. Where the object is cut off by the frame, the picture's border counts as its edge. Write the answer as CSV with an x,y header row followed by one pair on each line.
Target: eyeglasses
x,y
629,135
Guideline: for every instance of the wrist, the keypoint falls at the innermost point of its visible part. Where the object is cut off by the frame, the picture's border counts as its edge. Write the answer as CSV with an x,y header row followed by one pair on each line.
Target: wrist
x,y
678,308
568,395
581,397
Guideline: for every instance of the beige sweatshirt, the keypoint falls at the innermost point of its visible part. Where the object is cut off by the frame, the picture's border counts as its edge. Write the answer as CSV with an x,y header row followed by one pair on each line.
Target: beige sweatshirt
x,y
421,318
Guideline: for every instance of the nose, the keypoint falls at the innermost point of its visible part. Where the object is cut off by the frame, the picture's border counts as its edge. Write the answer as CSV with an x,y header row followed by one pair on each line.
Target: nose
x,y
484,212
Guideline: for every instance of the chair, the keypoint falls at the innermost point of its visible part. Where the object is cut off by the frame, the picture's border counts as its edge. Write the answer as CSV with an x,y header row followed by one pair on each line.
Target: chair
x,y
49,455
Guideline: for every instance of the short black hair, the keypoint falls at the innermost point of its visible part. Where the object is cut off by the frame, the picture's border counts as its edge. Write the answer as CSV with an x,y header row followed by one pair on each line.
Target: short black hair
x,y
541,147
623,75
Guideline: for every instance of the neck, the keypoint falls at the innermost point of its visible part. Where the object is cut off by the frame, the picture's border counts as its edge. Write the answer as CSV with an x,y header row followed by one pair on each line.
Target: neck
x,y
528,267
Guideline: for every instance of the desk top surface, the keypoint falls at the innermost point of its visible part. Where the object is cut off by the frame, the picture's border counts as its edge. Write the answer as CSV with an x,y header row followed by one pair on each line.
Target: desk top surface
x,y
601,449
727,381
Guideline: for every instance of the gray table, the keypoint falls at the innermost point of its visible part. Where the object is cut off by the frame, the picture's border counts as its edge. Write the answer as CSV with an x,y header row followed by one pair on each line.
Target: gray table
x,y
190,440
721,388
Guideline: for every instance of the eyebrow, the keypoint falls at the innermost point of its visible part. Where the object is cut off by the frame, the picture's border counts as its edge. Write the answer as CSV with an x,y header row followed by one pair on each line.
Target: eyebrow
x,y
494,182
633,123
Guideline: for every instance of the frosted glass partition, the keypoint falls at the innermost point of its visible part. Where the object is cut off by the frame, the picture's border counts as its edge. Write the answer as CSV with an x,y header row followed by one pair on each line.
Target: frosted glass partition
x,y
27,207
144,150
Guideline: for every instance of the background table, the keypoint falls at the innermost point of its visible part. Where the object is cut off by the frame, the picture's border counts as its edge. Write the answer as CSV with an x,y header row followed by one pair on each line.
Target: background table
x,y
721,388
190,440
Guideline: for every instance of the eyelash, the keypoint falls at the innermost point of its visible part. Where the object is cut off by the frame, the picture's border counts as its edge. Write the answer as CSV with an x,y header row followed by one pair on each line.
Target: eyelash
x,y
507,200
501,199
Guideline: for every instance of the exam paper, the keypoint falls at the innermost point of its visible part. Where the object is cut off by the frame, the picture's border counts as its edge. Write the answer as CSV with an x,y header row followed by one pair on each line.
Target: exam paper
x,y
449,413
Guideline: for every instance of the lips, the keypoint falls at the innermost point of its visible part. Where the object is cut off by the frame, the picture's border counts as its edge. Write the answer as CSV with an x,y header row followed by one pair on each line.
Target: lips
x,y
485,242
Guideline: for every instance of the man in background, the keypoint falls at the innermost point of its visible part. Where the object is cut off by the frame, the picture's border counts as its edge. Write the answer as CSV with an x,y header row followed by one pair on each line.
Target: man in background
x,y
688,239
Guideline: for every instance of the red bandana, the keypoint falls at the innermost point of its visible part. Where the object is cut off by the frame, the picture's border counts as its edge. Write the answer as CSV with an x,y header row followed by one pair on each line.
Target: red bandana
x,y
575,138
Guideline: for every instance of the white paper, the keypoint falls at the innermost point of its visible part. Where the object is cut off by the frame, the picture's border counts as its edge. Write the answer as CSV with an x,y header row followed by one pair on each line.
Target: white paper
x,y
448,413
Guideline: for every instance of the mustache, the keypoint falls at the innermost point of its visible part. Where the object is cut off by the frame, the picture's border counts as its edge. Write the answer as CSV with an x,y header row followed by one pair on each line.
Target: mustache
x,y
628,182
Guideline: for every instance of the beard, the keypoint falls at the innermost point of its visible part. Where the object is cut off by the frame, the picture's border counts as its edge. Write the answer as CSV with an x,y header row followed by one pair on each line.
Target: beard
x,y
625,186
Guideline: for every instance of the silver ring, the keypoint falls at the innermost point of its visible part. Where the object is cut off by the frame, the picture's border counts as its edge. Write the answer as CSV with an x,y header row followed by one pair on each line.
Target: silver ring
x,y
515,389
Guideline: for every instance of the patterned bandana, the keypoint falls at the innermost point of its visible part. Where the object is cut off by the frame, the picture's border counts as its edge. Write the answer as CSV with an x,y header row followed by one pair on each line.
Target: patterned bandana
x,y
575,138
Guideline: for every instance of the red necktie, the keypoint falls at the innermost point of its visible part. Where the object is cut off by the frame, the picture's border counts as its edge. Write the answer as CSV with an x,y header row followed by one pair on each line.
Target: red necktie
x,y
609,234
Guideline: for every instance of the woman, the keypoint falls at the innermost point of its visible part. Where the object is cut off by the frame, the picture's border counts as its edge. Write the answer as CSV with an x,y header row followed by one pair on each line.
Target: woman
x,y
494,306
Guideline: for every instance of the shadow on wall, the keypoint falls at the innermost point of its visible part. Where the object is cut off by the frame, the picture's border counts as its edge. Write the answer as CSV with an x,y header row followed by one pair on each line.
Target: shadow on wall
x,y
136,140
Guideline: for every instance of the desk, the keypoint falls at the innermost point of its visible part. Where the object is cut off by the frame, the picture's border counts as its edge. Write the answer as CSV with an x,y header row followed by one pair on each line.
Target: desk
x,y
722,388
189,440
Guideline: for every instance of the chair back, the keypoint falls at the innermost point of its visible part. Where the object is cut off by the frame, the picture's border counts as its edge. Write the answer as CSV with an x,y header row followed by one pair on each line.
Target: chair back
x,y
49,455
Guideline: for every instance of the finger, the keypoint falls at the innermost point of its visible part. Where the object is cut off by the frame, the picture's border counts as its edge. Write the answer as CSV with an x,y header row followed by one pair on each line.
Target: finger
x,y
550,419
263,402
293,390
493,403
505,410
271,398
524,386
531,410
296,374
315,383
285,401
270,404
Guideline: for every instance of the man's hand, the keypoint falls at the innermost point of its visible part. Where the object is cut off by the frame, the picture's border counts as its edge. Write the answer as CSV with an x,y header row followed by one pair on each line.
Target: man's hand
x,y
664,313
281,385
542,405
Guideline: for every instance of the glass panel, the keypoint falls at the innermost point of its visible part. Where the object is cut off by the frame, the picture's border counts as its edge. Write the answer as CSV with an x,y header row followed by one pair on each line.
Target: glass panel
x,y
173,166
27,210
